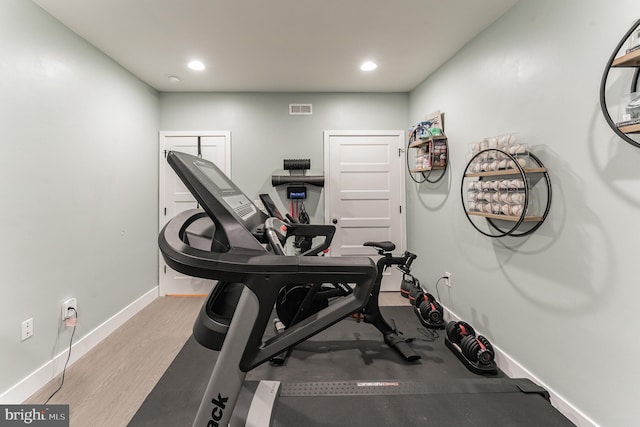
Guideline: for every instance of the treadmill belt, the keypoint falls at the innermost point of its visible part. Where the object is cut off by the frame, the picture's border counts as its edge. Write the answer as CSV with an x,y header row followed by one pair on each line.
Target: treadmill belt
x,y
435,391
446,410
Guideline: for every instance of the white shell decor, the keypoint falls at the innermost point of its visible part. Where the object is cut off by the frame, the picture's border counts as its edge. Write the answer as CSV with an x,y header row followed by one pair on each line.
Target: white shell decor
x,y
516,149
516,184
522,162
504,139
517,198
516,210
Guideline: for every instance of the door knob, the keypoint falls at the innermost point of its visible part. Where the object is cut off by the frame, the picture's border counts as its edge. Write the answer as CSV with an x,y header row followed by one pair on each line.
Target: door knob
x,y
334,220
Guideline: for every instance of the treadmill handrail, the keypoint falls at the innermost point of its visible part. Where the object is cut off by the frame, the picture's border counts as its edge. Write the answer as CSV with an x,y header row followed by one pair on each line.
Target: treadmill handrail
x,y
211,264
278,231
315,230
240,261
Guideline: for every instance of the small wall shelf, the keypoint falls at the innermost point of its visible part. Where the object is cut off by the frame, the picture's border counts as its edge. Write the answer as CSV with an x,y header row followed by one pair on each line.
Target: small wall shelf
x,y
630,59
507,217
428,149
419,170
425,141
506,172
435,165
630,129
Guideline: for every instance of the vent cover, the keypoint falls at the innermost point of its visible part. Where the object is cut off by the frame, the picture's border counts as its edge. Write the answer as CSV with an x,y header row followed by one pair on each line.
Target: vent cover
x,y
300,109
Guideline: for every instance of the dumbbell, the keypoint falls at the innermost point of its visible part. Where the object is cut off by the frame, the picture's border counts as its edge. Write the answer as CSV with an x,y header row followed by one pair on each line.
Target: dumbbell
x,y
416,294
477,349
457,330
408,283
431,309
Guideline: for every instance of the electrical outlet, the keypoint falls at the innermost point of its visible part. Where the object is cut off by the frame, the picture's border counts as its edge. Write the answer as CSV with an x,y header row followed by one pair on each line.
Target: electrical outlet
x,y
27,329
70,303
448,276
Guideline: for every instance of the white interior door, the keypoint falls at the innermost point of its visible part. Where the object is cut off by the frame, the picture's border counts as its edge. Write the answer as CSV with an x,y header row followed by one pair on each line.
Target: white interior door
x,y
215,146
364,190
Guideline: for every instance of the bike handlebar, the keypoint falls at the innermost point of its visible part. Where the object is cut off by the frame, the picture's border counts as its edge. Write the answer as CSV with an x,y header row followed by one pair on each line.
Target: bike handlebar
x,y
410,259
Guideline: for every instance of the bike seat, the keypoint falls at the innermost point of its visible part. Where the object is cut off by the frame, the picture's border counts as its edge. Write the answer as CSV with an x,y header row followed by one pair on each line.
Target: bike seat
x,y
386,246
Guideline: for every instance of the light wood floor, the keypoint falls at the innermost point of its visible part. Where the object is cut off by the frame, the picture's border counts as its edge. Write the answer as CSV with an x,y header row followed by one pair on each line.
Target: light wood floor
x,y
108,384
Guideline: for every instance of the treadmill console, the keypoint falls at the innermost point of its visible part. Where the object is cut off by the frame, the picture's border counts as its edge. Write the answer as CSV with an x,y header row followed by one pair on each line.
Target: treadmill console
x,y
235,216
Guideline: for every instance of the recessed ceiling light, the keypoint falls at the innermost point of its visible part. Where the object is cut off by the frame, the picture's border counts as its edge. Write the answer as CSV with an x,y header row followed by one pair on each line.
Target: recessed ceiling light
x,y
368,66
196,65
174,79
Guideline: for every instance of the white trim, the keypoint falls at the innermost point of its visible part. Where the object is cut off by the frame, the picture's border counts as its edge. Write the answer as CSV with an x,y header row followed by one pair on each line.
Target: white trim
x,y
513,369
327,177
41,376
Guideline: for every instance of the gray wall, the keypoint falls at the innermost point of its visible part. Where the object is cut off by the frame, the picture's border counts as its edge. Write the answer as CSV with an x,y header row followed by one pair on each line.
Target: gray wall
x,y
561,301
79,182
263,133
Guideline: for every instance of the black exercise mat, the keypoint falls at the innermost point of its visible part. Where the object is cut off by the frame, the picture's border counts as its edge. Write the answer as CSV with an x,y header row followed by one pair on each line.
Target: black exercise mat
x,y
355,351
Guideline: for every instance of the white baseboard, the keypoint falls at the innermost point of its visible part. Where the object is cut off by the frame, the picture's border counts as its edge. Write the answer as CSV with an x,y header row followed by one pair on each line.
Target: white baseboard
x,y
513,369
41,376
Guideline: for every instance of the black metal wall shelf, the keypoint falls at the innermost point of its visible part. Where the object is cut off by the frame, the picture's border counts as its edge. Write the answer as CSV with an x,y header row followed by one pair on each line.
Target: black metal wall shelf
x,y
429,137
426,172
629,60
506,224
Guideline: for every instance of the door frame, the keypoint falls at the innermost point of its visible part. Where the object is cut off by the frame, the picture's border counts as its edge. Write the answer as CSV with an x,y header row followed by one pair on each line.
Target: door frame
x,y
162,165
329,191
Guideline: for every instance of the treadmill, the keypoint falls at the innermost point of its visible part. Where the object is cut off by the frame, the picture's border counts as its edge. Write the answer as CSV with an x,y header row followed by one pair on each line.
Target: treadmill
x,y
226,241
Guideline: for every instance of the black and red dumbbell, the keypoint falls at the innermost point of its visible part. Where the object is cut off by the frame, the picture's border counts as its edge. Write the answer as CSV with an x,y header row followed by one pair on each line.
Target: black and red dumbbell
x,y
475,351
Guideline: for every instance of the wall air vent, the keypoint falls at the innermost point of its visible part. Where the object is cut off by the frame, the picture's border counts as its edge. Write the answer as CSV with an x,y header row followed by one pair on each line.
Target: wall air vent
x,y
300,109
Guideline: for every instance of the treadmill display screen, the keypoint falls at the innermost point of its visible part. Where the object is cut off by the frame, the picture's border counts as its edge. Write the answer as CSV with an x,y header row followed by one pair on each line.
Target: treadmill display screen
x,y
215,175
227,206
270,206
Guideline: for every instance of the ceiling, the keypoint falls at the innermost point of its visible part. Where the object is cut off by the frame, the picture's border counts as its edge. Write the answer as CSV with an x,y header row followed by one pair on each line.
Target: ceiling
x,y
279,45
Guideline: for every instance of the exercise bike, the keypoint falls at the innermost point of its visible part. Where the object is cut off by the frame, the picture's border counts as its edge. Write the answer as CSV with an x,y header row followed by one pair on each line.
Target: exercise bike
x,y
297,302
